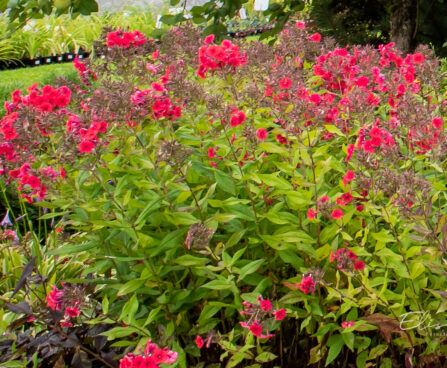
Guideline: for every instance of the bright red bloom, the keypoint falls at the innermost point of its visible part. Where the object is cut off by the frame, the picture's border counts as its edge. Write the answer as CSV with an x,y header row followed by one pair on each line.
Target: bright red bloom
x,y
72,312
256,329
349,176
266,305
307,285
337,214
279,314
316,37
55,298
285,83
359,265
311,213
437,123
209,39
199,342
418,58
86,146
348,324
237,118
262,134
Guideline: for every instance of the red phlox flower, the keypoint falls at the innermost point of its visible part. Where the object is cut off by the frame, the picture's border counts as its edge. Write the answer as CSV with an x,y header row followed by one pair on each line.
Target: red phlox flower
x,y
86,146
266,305
347,324
359,265
437,123
316,37
285,83
55,298
199,342
279,314
337,214
306,285
262,134
311,213
349,176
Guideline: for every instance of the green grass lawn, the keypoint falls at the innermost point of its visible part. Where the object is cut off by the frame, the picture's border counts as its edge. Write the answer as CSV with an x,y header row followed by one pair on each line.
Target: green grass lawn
x,y
11,80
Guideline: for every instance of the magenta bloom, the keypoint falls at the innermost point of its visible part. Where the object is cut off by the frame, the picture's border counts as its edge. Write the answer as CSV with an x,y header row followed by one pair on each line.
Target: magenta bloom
x,y
55,298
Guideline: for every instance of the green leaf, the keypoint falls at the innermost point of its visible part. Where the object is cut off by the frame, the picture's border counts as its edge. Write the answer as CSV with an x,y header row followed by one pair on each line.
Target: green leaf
x,y
376,351
150,207
249,268
273,148
130,286
333,129
70,249
272,180
224,182
129,309
349,339
218,285
105,305
335,343
52,215
188,260
265,357
117,332
235,238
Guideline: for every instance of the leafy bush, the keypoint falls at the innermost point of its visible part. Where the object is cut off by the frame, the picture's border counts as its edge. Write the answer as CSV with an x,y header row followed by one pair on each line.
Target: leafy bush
x,y
243,204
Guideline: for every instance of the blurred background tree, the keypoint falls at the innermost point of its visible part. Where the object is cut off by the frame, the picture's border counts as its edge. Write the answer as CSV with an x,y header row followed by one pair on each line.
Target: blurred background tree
x,y
405,22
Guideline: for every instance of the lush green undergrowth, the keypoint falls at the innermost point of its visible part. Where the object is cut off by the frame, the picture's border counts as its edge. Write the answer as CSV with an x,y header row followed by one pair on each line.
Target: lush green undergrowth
x,y
239,204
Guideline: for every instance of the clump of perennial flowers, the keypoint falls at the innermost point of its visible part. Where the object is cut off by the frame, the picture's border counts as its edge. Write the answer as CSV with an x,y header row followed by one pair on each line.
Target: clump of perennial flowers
x,y
259,314
67,299
151,357
214,57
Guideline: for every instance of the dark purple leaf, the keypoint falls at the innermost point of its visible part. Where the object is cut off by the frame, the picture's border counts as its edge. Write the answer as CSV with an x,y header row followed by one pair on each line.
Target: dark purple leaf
x,y
27,270
20,308
80,360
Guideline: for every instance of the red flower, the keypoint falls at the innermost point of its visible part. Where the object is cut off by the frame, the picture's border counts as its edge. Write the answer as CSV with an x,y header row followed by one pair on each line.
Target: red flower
x,y
209,39
279,314
199,342
256,328
307,285
266,305
349,176
418,58
347,324
437,123
55,298
9,133
211,152
237,118
86,146
300,24
72,312
311,213
285,83
262,134
337,214
359,265
316,37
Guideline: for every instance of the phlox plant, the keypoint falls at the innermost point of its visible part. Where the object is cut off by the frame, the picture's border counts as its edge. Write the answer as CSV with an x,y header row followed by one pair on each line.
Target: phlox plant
x,y
238,204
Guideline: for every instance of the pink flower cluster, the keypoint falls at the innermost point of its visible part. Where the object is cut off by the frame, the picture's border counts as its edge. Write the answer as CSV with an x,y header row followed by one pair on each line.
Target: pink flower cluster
x,y
371,138
56,301
160,104
307,285
258,314
125,39
212,57
151,358
347,259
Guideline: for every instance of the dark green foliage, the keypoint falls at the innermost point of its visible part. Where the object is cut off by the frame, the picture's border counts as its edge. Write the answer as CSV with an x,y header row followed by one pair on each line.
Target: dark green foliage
x,y
352,21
